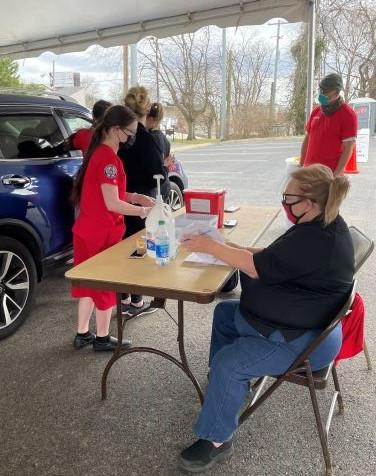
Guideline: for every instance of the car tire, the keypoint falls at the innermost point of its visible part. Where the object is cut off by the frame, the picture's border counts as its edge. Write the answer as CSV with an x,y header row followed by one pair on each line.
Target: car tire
x,y
176,198
18,279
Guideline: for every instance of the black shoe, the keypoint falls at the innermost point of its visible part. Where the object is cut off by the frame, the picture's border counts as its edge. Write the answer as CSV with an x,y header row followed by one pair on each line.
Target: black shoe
x,y
203,454
138,311
110,344
80,341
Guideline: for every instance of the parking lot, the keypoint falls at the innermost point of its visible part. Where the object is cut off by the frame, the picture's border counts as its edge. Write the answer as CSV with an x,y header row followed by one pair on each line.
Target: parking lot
x,y
53,422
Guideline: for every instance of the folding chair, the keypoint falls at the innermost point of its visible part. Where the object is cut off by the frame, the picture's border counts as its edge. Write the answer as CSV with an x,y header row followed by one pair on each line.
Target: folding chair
x,y
363,247
300,373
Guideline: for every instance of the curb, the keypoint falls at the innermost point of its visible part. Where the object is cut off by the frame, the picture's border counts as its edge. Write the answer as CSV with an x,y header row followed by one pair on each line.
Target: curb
x,y
236,141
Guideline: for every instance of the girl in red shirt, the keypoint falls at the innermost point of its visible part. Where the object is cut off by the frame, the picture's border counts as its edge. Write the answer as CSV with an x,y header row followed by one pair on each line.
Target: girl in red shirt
x,y
100,193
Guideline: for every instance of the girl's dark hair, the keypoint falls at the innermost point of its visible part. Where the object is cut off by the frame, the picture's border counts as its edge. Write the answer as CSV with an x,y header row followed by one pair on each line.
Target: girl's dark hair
x,y
156,112
120,116
99,109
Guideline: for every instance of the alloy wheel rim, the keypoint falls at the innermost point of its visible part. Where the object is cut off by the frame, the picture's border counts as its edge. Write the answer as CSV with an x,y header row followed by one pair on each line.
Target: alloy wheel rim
x,y
14,287
174,200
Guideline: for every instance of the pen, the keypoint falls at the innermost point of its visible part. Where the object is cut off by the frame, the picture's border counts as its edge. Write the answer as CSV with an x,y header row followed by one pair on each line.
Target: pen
x,y
197,234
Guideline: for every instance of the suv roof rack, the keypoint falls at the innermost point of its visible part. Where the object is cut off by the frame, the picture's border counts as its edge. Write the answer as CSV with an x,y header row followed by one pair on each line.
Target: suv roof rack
x,y
27,92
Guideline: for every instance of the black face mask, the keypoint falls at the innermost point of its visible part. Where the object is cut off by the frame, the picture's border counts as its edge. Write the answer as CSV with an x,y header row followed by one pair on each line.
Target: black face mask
x,y
130,142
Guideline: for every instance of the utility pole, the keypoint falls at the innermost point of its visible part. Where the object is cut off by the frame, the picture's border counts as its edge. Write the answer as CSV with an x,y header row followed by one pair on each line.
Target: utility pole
x,y
125,69
52,76
228,95
276,63
134,64
157,67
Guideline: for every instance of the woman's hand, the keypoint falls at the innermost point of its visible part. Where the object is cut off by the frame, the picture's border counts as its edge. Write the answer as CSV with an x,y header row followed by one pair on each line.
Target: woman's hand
x,y
143,200
200,243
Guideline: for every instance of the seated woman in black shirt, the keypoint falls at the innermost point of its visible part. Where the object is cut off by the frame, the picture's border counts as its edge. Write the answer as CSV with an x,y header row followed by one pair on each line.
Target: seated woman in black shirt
x,y
291,290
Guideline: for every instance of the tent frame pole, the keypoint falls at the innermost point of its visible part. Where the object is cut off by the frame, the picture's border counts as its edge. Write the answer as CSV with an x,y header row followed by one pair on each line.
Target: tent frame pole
x,y
311,55
224,85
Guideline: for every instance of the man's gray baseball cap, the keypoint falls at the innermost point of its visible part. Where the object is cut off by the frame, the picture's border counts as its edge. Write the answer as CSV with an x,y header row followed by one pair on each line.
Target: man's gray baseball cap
x,y
331,81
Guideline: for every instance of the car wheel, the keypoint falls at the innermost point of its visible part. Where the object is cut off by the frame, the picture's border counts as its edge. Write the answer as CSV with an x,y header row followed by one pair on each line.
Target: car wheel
x,y
175,198
18,278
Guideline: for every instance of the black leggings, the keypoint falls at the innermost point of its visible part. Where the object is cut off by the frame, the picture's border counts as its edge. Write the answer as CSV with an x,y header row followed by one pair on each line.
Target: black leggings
x,y
133,225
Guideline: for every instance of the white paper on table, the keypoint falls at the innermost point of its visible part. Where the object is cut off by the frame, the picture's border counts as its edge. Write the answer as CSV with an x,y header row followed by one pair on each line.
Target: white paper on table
x,y
203,259
196,224
199,229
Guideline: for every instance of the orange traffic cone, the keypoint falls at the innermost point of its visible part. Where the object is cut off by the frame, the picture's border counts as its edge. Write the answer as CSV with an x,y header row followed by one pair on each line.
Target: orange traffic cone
x,y
351,166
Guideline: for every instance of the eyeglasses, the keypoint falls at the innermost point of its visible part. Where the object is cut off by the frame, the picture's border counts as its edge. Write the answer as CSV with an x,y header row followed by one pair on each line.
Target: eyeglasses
x,y
127,132
303,197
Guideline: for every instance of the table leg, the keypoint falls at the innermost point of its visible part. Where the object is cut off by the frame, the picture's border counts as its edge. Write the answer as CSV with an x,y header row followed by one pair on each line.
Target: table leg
x,y
183,356
119,352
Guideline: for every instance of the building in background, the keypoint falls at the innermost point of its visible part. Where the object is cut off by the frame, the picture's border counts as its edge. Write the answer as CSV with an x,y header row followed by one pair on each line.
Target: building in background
x,y
65,79
69,84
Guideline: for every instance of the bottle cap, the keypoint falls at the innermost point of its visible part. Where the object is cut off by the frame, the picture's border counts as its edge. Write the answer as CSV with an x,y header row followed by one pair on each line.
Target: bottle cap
x,y
161,222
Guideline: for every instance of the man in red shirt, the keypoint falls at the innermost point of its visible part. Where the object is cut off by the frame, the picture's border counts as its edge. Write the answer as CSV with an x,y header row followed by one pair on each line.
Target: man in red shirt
x,y
331,129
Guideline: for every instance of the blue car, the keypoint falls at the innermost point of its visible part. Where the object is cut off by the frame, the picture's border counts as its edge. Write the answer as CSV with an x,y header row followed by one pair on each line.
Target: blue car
x,y
36,214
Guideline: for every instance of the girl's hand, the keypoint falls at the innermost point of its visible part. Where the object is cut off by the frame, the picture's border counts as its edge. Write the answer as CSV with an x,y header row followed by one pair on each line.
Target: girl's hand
x,y
169,162
200,243
144,212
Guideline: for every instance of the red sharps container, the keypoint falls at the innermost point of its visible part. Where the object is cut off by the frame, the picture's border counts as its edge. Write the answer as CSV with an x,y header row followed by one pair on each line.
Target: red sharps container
x,y
211,202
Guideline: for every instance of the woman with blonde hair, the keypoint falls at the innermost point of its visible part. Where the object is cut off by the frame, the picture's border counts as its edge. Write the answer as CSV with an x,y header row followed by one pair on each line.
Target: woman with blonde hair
x,y
142,159
291,290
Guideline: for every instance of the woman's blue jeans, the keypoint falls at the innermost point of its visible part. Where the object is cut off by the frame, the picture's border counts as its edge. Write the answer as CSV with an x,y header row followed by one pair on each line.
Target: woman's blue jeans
x,y
239,353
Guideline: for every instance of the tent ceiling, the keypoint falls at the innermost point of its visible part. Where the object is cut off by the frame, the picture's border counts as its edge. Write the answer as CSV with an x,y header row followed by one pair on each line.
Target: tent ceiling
x,y
30,28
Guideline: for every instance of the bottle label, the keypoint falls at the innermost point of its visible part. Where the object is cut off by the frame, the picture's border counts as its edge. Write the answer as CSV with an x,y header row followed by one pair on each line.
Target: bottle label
x,y
150,244
161,250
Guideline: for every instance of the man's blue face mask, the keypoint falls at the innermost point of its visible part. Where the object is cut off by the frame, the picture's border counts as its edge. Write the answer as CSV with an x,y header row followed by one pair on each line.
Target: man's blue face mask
x,y
323,99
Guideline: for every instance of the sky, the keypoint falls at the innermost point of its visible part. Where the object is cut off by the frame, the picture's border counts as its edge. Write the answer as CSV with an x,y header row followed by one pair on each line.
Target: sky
x,y
104,69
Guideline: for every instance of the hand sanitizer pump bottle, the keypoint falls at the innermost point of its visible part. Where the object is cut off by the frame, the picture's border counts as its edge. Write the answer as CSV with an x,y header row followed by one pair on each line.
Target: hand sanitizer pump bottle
x,y
160,211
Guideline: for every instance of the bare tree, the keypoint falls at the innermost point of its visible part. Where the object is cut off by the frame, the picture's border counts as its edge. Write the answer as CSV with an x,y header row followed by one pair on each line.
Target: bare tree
x,y
92,90
349,31
250,68
181,64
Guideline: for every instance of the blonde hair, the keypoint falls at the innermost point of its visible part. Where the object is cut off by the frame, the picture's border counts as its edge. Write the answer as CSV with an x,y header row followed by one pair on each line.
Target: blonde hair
x,y
156,112
138,100
318,183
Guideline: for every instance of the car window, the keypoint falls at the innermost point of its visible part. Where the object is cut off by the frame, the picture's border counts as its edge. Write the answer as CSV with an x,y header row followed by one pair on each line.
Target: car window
x,y
73,121
27,136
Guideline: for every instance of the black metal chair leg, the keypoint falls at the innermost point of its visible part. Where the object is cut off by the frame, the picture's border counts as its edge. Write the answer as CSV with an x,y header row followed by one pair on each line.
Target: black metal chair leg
x,y
341,405
320,428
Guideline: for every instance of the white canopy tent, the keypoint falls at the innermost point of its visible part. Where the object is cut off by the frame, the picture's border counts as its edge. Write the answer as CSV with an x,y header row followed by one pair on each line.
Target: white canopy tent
x,y
31,27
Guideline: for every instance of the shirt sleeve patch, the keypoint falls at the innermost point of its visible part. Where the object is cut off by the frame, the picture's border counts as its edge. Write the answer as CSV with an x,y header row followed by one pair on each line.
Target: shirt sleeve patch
x,y
110,171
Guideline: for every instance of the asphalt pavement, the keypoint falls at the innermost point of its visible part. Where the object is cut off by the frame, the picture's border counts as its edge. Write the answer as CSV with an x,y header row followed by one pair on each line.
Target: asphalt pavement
x,y
53,422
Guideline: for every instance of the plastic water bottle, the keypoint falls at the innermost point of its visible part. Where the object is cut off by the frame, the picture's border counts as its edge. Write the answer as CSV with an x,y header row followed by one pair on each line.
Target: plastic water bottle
x,y
160,211
162,244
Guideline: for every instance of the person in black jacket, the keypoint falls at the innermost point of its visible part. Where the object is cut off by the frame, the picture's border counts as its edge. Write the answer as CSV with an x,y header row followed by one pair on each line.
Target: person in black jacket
x,y
153,123
142,160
